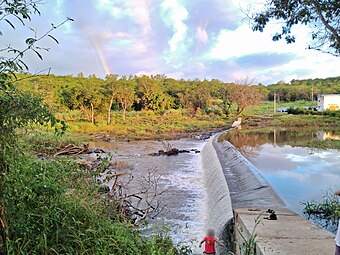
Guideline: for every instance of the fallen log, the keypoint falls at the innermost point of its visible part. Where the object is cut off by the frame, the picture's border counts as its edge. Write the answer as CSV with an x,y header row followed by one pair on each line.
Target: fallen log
x,y
72,149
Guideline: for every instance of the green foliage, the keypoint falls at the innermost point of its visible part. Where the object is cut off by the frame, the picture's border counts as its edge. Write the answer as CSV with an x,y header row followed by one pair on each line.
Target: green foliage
x,y
325,212
323,15
297,111
55,209
248,245
332,113
46,142
303,89
155,93
151,94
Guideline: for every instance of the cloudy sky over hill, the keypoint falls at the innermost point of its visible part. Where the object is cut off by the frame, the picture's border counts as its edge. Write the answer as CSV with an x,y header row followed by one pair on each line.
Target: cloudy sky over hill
x,y
179,38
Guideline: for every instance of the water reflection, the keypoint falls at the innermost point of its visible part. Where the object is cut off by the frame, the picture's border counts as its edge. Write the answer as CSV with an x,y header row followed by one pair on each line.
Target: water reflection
x,y
296,171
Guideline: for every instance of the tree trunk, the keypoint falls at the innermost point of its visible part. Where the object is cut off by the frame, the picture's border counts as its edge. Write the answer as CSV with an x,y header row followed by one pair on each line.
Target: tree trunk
x,y
109,112
92,113
3,227
124,113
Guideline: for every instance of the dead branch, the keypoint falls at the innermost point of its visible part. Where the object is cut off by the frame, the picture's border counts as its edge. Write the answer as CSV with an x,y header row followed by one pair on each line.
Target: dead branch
x,y
72,149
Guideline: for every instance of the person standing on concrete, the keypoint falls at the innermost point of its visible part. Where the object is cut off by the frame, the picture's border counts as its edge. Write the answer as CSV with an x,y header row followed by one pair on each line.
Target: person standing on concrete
x,y
337,238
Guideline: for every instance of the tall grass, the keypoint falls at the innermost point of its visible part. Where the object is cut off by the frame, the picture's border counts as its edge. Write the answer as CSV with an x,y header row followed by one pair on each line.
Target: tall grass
x,y
55,207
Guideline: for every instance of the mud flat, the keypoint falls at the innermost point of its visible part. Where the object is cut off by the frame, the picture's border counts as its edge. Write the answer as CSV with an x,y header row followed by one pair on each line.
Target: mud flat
x,y
244,195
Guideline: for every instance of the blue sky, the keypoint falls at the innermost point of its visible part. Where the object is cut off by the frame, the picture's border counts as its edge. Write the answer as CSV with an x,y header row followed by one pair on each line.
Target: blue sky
x,y
178,38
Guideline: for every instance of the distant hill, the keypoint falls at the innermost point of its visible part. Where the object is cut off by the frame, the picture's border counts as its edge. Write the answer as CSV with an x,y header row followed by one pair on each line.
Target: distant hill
x,y
303,89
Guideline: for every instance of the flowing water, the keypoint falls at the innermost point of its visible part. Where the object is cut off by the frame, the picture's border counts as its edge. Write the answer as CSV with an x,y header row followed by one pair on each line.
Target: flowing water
x,y
287,160
185,212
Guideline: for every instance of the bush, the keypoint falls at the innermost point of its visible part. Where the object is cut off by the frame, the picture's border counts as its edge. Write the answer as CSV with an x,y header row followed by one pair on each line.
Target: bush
x,y
332,113
54,208
47,142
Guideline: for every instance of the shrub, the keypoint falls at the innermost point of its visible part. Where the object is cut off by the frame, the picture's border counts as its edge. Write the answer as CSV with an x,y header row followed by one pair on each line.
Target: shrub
x,y
54,208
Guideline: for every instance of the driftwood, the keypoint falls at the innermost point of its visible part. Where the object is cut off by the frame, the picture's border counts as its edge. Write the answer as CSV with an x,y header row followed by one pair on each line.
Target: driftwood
x,y
72,149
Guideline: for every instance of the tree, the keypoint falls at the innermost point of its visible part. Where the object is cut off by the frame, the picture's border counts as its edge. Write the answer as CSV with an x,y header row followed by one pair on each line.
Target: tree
x,y
17,108
245,95
151,93
111,84
323,16
225,94
86,94
125,93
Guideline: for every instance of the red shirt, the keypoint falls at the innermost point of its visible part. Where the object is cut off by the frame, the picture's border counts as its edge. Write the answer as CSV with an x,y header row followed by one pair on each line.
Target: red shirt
x,y
209,244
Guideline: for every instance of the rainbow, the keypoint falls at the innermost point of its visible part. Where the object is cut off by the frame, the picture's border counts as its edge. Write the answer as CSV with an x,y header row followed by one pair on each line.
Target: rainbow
x,y
101,56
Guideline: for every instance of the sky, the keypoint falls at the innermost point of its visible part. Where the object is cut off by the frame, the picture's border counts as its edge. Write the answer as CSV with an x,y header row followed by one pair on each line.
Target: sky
x,y
205,39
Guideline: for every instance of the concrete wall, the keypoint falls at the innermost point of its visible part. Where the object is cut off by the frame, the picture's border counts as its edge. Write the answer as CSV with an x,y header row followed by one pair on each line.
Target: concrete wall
x,y
288,235
326,102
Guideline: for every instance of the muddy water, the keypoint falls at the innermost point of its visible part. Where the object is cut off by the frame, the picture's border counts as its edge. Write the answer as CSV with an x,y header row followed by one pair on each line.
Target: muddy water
x,y
296,172
185,201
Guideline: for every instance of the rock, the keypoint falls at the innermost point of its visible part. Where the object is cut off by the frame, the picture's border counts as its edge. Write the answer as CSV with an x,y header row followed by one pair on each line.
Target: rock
x,y
97,150
172,152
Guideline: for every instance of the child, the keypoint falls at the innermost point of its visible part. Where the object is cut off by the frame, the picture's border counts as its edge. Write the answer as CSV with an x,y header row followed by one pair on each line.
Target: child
x,y
210,241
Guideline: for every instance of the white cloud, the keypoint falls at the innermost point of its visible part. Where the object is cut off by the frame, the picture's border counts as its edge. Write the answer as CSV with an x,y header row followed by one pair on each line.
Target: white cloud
x,y
174,15
202,35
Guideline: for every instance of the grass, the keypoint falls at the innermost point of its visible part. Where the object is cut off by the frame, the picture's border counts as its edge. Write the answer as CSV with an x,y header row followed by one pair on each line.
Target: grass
x,y
267,107
47,142
147,125
325,212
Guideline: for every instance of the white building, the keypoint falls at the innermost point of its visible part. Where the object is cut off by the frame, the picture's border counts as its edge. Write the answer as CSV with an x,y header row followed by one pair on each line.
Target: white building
x,y
328,102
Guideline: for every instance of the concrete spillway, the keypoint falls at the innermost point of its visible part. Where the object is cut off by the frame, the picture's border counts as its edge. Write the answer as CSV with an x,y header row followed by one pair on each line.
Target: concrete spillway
x,y
219,201
248,187
234,186
233,182
220,212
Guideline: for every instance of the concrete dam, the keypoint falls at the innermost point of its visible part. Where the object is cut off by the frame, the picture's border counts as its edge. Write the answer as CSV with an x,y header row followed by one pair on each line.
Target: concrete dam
x,y
238,195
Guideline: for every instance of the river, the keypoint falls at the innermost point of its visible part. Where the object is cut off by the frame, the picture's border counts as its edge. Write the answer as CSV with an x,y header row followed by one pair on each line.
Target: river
x,y
185,202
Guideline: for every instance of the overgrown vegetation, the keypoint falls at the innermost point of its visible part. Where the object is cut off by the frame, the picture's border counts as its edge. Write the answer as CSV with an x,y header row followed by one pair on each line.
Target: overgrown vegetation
x,y
96,98
302,111
325,212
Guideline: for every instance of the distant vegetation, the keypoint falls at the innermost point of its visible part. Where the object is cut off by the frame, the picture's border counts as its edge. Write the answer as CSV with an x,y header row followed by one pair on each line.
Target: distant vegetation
x,y
94,99
304,89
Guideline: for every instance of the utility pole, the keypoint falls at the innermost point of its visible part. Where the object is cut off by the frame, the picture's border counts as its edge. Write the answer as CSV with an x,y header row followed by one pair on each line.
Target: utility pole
x,y
313,98
274,102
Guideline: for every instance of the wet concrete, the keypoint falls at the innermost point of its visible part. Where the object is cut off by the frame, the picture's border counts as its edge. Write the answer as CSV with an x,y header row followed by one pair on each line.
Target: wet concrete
x,y
247,186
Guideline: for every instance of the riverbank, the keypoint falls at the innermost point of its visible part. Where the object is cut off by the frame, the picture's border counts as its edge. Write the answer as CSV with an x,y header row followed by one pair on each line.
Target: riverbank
x,y
148,125
175,125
